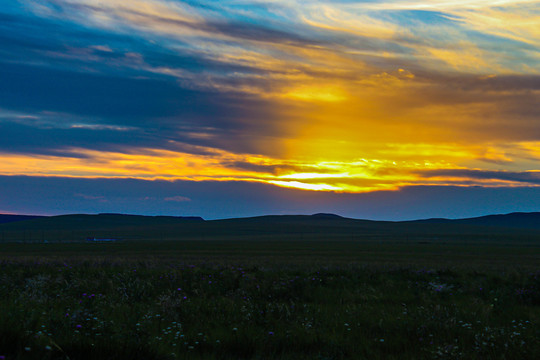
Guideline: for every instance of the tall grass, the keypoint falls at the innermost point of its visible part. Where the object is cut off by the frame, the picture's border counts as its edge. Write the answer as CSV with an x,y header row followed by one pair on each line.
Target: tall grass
x,y
114,307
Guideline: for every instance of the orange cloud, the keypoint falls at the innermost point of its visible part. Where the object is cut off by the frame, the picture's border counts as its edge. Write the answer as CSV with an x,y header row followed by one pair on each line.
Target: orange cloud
x,y
352,98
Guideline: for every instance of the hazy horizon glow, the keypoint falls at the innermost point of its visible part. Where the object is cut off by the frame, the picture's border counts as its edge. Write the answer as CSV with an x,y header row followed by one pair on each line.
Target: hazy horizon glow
x,y
340,96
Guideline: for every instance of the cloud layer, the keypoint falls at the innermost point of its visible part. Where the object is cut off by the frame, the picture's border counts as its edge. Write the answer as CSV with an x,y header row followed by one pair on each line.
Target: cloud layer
x,y
320,95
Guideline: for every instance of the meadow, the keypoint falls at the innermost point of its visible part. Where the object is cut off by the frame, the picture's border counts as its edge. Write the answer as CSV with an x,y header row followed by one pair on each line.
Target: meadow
x,y
269,299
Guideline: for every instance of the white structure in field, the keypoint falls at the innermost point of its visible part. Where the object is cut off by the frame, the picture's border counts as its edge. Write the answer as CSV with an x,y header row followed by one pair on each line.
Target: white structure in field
x,y
93,239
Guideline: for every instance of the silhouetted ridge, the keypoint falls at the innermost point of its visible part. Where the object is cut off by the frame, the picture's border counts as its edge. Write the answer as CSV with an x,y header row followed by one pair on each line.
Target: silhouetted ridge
x,y
326,216
520,220
429,221
163,217
321,226
514,220
4,218
306,219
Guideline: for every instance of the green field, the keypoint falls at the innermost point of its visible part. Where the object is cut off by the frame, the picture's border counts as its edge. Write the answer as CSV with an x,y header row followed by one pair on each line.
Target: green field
x,y
287,298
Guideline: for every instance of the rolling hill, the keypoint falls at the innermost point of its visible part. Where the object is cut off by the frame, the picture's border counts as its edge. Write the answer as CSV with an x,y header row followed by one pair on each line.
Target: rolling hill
x,y
78,227
7,218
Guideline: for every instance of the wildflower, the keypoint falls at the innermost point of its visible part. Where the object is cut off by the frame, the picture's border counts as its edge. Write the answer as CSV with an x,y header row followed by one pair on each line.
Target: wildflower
x,y
270,333
78,326
2,357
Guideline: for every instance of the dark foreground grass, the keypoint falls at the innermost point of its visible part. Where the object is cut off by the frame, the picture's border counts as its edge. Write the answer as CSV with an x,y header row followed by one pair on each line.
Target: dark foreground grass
x,y
238,301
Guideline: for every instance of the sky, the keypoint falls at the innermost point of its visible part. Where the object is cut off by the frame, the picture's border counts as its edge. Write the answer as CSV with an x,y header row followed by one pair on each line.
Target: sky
x,y
370,109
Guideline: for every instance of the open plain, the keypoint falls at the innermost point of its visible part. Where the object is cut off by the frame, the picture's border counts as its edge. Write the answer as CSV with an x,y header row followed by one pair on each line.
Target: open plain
x,y
334,294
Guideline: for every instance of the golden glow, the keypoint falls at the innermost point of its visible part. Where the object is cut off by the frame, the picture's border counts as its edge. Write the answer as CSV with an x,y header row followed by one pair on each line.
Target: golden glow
x,y
332,18
468,59
304,186
301,176
358,143
317,94
358,175
354,98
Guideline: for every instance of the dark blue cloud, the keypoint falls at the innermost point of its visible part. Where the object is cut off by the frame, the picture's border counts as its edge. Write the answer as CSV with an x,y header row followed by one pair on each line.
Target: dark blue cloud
x,y
30,88
525,177
38,41
157,109
54,66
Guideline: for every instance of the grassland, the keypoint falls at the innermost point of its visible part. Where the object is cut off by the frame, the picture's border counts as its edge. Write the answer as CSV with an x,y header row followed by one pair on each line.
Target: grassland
x,y
286,298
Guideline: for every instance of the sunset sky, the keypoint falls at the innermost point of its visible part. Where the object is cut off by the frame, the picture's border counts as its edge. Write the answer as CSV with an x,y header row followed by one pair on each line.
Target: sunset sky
x,y
372,109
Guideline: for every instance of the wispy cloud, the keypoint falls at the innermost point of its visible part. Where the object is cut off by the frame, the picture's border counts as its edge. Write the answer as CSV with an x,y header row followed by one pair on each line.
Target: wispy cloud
x,y
321,95
91,197
177,198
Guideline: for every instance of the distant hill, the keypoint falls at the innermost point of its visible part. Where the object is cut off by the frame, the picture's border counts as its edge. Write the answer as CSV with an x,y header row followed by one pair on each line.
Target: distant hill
x,y
12,218
165,218
320,226
81,226
518,220
292,219
101,221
